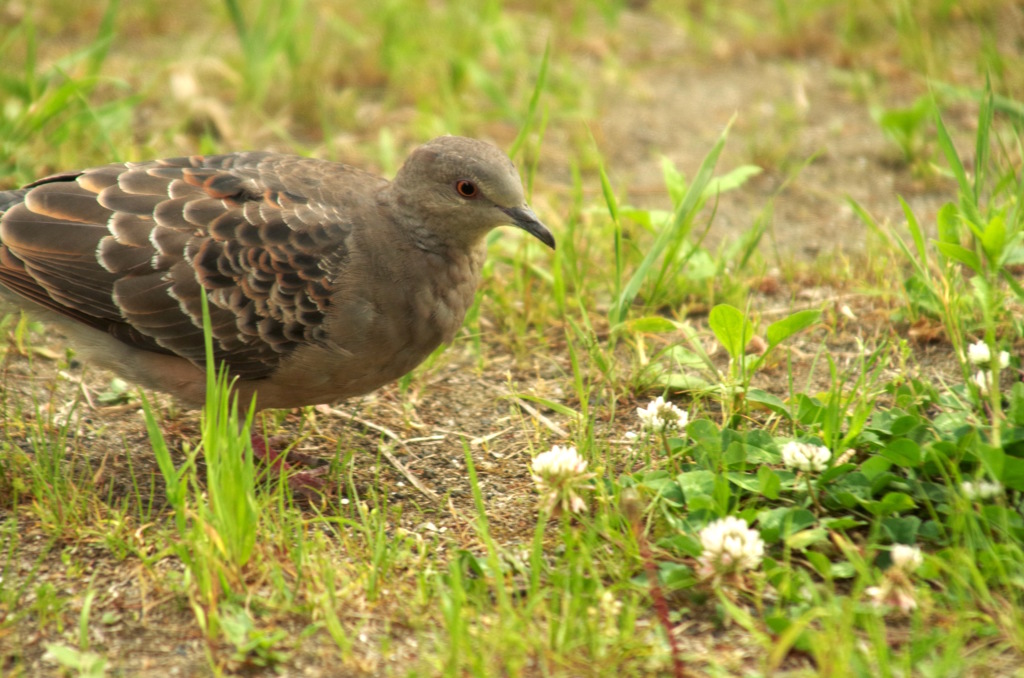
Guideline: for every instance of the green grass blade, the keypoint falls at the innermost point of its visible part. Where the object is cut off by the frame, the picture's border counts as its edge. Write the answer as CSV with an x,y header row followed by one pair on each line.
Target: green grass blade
x,y
968,200
982,142
237,20
612,203
534,105
681,217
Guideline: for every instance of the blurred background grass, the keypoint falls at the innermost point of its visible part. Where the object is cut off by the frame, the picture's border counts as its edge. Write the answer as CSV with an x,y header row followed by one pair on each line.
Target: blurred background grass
x,y
86,82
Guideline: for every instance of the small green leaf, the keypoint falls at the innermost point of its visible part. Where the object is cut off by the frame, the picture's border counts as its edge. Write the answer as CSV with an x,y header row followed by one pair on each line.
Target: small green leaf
x,y
843,569
676,576
875,466
740,454
768,482
783,329
652,324
993,238
770,523
783,522
677,381
701,502
768,401
820,562
684,544
735,454
902,530
903,425
696,483
883,481
701,266
809,411
834,473
891,504
683,357
961,254
1014,255
948,221
705,433
992,458
799,519
732,329
922,295
664,487
904,452
806,538
731,180
675,181
847,499
1013,473
1015,413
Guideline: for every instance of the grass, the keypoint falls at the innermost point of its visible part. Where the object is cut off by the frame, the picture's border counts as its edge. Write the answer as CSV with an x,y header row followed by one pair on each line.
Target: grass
x,y
132,542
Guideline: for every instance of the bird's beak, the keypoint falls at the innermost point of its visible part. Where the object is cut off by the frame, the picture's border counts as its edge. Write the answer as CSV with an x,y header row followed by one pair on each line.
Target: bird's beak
x,y
524,218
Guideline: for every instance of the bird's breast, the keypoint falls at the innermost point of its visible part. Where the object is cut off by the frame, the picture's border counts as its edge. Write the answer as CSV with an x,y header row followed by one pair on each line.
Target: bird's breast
x,y
382,323
443,297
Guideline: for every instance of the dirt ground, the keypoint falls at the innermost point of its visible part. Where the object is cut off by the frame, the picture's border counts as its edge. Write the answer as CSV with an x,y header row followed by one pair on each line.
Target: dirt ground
x,y
675,103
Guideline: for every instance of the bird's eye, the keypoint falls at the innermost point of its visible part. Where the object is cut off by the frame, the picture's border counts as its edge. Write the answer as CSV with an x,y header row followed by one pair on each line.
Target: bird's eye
x,y
467,189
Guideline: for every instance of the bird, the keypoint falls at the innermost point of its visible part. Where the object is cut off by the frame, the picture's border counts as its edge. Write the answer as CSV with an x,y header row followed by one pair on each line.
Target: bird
x,y
324,281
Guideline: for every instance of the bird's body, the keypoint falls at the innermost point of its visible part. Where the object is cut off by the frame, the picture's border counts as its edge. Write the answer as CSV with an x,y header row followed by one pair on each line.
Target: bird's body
x,y
325,281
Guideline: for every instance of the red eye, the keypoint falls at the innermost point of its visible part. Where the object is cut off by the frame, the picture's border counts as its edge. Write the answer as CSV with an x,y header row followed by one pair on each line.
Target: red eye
x,y
467,189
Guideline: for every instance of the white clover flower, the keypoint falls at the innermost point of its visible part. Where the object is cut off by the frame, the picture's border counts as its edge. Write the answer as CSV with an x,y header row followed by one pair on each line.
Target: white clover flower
x,y
983,380
559,473
906,558
979,353
730,546
559,462
896,587
805,456
982,489
902,596
662,417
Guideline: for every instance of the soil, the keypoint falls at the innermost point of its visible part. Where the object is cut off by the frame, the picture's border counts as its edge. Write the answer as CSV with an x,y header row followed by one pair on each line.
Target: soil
x,y
675,102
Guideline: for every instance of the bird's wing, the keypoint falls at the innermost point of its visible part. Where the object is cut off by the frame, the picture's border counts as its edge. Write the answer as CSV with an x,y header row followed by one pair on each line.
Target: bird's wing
x,y
128,248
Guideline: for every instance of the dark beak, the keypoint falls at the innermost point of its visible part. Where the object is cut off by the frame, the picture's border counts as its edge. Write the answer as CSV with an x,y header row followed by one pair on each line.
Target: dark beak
x,y
524,218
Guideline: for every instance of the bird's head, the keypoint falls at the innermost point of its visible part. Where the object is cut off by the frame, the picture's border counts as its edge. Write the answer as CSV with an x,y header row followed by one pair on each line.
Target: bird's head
x,y
462,188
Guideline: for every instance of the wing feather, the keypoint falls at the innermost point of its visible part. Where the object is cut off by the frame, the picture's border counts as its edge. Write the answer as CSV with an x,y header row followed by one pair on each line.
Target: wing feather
x,y
129,249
